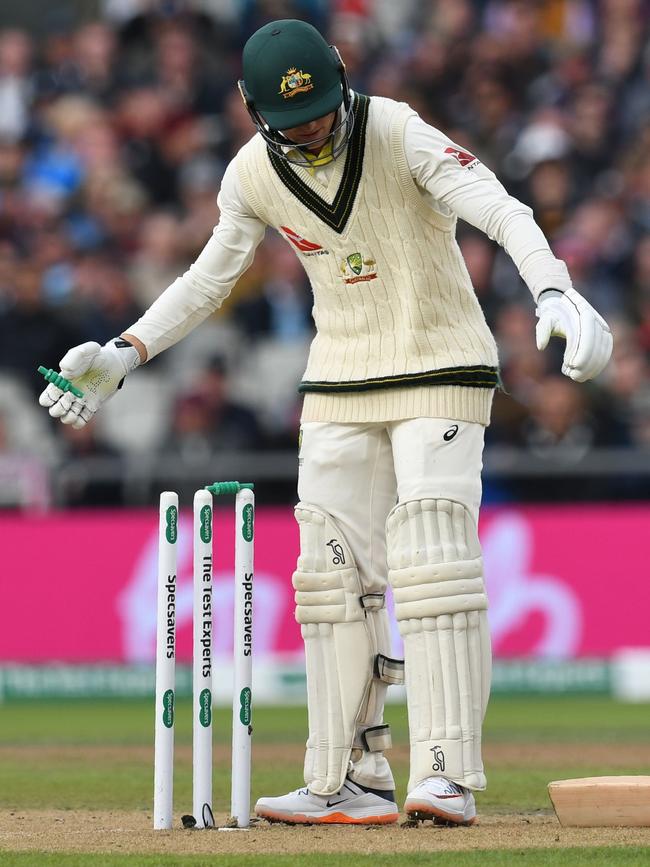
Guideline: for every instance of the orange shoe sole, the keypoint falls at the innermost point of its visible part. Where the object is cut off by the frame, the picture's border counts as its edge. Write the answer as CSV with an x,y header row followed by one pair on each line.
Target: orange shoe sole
x,y
331,819
423,810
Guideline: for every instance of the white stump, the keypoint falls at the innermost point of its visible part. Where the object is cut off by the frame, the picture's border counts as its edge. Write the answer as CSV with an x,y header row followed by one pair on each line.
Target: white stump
x,y
242,658
202,661
163,797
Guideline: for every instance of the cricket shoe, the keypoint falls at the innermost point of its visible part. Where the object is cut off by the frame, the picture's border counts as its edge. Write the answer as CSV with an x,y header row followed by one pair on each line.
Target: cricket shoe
x,y
352,805
439,799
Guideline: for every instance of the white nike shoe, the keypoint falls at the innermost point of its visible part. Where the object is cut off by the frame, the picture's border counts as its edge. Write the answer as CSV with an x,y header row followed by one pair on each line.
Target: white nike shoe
x,y
352,805
439,799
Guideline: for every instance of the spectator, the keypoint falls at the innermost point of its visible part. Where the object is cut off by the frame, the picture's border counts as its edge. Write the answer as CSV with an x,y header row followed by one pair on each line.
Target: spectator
x,y
156,263
283,310
561,427
206,422
92,472
114,134
30,332
16,84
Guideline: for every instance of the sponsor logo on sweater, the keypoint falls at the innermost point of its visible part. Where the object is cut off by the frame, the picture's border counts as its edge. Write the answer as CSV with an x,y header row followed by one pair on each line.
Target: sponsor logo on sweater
x,y
356,269
466,159
307,248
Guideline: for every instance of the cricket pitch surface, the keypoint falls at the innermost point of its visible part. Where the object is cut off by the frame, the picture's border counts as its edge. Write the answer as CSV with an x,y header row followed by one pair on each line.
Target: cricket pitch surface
x,y
91,831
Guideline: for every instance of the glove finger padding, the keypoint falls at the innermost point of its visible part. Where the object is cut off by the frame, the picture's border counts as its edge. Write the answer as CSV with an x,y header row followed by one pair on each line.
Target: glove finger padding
x,y
594,353
543,331
602,352
79,359
74,413
580,359
84,417
588,338
50,395
571,330
62,406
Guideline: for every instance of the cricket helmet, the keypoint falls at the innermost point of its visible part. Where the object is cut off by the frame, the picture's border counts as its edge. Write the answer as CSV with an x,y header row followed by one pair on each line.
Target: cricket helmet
x,y
291,77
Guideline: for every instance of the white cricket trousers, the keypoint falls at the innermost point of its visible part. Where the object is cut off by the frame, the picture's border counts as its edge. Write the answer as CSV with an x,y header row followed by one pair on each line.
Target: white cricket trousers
x,y
358,472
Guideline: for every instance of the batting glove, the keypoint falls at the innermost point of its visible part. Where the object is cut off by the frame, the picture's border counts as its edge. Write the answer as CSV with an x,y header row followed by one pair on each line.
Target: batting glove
x,y
98,371
588,338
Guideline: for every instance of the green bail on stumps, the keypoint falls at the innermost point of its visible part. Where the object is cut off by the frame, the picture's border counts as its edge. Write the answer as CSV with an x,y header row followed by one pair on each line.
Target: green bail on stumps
x,y
219,488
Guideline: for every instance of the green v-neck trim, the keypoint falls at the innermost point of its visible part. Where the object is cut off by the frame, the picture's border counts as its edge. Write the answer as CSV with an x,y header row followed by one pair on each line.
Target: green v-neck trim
x,y
336,214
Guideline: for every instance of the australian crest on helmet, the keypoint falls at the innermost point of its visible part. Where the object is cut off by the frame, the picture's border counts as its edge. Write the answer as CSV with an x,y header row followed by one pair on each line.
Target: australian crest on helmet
x,y
295,81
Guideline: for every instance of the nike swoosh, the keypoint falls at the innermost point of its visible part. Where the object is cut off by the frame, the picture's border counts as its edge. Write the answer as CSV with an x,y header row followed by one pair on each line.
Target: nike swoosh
x,y
334,803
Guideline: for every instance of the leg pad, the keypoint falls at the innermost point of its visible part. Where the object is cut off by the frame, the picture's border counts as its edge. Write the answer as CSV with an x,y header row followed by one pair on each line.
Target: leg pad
x,y
345,631
435,569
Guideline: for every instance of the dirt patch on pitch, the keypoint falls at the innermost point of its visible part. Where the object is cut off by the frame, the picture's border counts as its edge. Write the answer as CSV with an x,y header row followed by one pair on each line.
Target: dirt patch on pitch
x,y
127,832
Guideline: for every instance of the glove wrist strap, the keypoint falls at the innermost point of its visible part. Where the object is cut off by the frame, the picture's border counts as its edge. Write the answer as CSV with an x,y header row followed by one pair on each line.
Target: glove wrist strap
x,y
549,293
128,354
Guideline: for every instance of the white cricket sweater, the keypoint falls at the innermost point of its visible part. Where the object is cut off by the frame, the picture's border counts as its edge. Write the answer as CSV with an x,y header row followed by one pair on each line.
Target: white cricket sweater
x,y
394,306
393,300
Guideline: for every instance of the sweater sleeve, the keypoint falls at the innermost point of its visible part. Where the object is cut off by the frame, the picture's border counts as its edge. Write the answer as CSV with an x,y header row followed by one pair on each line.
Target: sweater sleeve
x,y
455,181
202,289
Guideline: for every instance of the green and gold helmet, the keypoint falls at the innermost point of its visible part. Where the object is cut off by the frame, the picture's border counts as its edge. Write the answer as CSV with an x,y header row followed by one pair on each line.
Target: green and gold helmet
x,y
292,76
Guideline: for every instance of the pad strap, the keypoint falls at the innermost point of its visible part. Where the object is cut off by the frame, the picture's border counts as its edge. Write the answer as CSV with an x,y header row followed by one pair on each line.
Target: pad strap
x,y
389,670
374,739
373,601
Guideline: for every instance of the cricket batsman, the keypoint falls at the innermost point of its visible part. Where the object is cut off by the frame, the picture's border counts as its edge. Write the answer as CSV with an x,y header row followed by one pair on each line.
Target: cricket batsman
x,y
397,393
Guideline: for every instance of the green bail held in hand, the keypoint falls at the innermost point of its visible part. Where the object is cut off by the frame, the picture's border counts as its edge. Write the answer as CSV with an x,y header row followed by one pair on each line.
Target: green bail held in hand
x,y
60,381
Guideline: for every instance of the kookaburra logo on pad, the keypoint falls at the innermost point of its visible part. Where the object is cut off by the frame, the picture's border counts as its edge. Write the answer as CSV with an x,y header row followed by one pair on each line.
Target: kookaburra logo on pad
x,y
438,759
338,557
295,81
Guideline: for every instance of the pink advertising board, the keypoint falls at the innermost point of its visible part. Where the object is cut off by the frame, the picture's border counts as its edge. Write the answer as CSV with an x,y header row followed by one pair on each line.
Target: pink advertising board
x,y
563,582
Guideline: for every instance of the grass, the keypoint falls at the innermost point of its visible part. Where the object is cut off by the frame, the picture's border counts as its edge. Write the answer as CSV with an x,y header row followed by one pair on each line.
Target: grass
x,y
74,779
522,719
66,755
631,856
571,719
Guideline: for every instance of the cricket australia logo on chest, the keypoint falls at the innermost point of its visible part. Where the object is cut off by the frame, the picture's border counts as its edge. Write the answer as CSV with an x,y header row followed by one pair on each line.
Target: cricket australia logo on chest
x,y
356,268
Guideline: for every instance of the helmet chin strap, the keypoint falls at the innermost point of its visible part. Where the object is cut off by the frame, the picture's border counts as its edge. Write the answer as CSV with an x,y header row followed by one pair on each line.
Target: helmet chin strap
x,y
292,152
299,147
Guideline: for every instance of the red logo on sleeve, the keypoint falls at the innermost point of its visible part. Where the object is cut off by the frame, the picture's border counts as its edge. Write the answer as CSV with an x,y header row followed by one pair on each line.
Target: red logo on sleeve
x,y
463,157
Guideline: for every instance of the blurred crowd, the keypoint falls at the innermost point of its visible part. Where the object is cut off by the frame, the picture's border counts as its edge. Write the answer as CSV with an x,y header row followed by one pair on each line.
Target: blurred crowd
x,y
114,135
